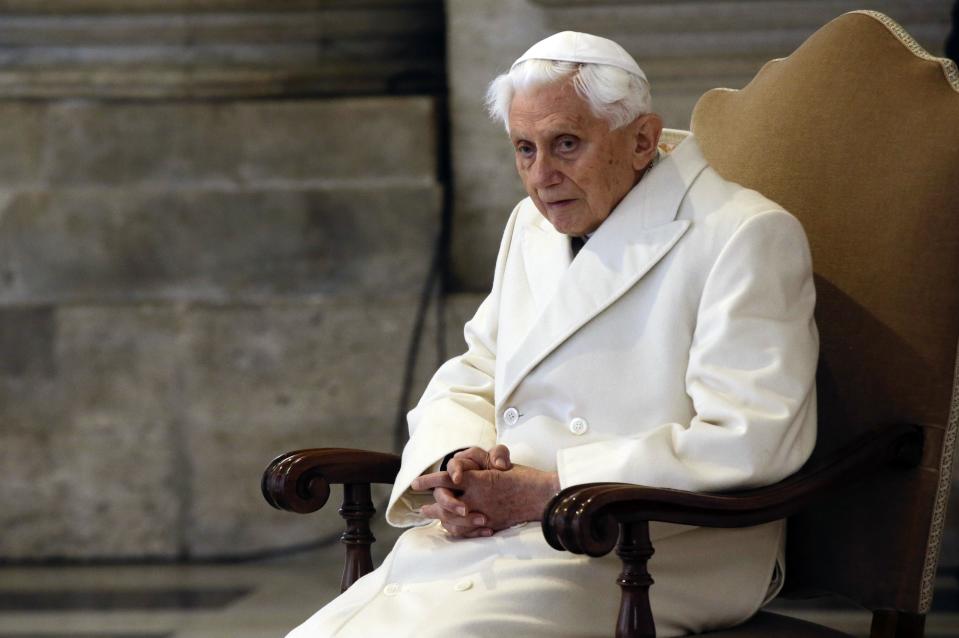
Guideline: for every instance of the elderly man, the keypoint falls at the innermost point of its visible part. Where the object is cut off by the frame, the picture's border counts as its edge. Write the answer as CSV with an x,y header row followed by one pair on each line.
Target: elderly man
x,y
649,323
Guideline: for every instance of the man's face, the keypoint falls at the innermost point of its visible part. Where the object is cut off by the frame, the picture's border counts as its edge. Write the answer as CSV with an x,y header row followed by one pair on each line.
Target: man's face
x,y
573,167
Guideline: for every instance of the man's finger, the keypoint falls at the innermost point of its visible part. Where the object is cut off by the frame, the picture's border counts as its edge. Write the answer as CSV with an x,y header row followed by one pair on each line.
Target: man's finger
x,y
458,466
467,532
454,530
473,458
448,517
499,457
448,501
432,481
476,454
474,519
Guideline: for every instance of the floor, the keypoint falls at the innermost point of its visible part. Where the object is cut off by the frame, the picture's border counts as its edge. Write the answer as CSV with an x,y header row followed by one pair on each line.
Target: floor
x,y
257,600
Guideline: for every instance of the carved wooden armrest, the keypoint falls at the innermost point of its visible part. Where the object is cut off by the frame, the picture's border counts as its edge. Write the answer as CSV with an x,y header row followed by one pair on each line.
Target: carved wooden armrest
x,y
300,482
594,518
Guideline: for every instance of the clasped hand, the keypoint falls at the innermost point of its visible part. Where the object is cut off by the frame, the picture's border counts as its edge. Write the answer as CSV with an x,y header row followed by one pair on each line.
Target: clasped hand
x,y
482,492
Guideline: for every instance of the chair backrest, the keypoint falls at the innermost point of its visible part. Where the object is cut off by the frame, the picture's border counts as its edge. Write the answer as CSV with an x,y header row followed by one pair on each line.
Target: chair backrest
x,y
857,134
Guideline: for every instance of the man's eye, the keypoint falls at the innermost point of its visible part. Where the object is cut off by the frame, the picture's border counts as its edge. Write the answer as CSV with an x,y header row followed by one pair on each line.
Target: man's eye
x,y
567,144
524,149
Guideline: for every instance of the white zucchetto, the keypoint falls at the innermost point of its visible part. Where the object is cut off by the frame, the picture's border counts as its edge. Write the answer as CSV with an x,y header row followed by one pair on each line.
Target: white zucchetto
x,y
582,48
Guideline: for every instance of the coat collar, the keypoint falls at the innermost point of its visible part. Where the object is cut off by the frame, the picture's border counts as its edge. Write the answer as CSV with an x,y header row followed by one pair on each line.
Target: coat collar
x,y
569,292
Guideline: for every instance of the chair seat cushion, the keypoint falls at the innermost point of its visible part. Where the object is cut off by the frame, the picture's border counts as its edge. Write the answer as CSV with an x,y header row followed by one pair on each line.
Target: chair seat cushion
x,y
766,624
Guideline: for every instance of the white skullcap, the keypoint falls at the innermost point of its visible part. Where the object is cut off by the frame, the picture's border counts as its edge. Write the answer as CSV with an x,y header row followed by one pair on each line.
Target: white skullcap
x,y
583,48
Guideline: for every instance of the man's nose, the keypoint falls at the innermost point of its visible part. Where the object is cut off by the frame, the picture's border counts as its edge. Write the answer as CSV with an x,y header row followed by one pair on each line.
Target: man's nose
x,y
544,172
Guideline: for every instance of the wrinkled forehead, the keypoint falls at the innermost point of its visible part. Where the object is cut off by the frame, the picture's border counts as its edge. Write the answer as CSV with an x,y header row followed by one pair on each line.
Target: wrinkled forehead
x,y
554,107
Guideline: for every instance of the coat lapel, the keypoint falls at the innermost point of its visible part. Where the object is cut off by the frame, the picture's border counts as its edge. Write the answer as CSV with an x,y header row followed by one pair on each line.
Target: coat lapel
x,y
546,258
632,240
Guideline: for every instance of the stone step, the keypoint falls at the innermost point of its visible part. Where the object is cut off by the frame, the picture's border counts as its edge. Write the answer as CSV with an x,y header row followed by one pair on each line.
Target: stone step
x,y
400,75
105,244
721,29
688,16
394,77
95,48
249,28
317,54
763,45
266,143
112,7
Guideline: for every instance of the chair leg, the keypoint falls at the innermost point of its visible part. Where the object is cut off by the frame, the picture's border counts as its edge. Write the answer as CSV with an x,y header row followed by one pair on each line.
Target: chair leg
x,y
635,549
357,510
897,624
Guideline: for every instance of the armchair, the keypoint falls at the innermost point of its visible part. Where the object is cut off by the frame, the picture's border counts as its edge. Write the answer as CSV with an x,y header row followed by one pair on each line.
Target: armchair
x,y
857,134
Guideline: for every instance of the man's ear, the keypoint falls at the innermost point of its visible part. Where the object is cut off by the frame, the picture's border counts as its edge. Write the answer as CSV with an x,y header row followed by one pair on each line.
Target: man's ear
x,y
647,129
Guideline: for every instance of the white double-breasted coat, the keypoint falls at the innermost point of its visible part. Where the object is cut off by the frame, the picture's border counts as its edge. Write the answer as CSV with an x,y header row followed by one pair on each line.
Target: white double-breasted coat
x,y
677,349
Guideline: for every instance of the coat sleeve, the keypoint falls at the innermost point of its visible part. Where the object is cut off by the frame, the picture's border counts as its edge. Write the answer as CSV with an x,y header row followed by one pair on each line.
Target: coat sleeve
x,y
456,410
750,375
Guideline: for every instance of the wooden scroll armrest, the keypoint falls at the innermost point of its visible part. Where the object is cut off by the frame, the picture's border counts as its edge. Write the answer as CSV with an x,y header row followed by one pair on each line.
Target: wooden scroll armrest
x,y
300,482
594,518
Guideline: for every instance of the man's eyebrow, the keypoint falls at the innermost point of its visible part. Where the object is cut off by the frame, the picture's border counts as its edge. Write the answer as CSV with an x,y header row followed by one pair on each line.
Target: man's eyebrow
x,y
564,128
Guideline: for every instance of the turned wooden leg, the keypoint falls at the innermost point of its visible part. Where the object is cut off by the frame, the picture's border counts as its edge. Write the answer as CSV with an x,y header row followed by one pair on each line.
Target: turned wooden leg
x,y
635,549
357,510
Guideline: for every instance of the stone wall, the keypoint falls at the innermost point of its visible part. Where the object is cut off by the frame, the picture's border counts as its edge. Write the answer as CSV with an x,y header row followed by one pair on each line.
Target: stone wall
x,y
174,312
205,260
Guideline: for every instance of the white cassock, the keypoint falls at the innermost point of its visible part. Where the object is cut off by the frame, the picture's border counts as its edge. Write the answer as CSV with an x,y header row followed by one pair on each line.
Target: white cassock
x,y
678,349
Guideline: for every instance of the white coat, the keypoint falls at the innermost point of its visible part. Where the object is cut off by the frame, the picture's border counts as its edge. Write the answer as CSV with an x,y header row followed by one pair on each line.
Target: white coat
x,y
677,349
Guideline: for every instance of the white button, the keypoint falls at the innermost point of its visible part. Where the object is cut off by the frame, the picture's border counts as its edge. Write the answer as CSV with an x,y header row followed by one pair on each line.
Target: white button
x,y
463,585
578,426
511,416
392,589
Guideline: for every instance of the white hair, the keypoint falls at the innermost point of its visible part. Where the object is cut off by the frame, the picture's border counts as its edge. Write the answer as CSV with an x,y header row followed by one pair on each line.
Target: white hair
x,y
612,93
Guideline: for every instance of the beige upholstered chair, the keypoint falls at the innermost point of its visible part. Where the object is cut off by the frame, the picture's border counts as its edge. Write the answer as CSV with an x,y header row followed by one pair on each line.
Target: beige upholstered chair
x,y
856,133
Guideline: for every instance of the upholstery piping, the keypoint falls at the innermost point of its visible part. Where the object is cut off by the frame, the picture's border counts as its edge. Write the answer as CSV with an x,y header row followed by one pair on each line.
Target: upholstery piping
x,y
948,66
942,498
